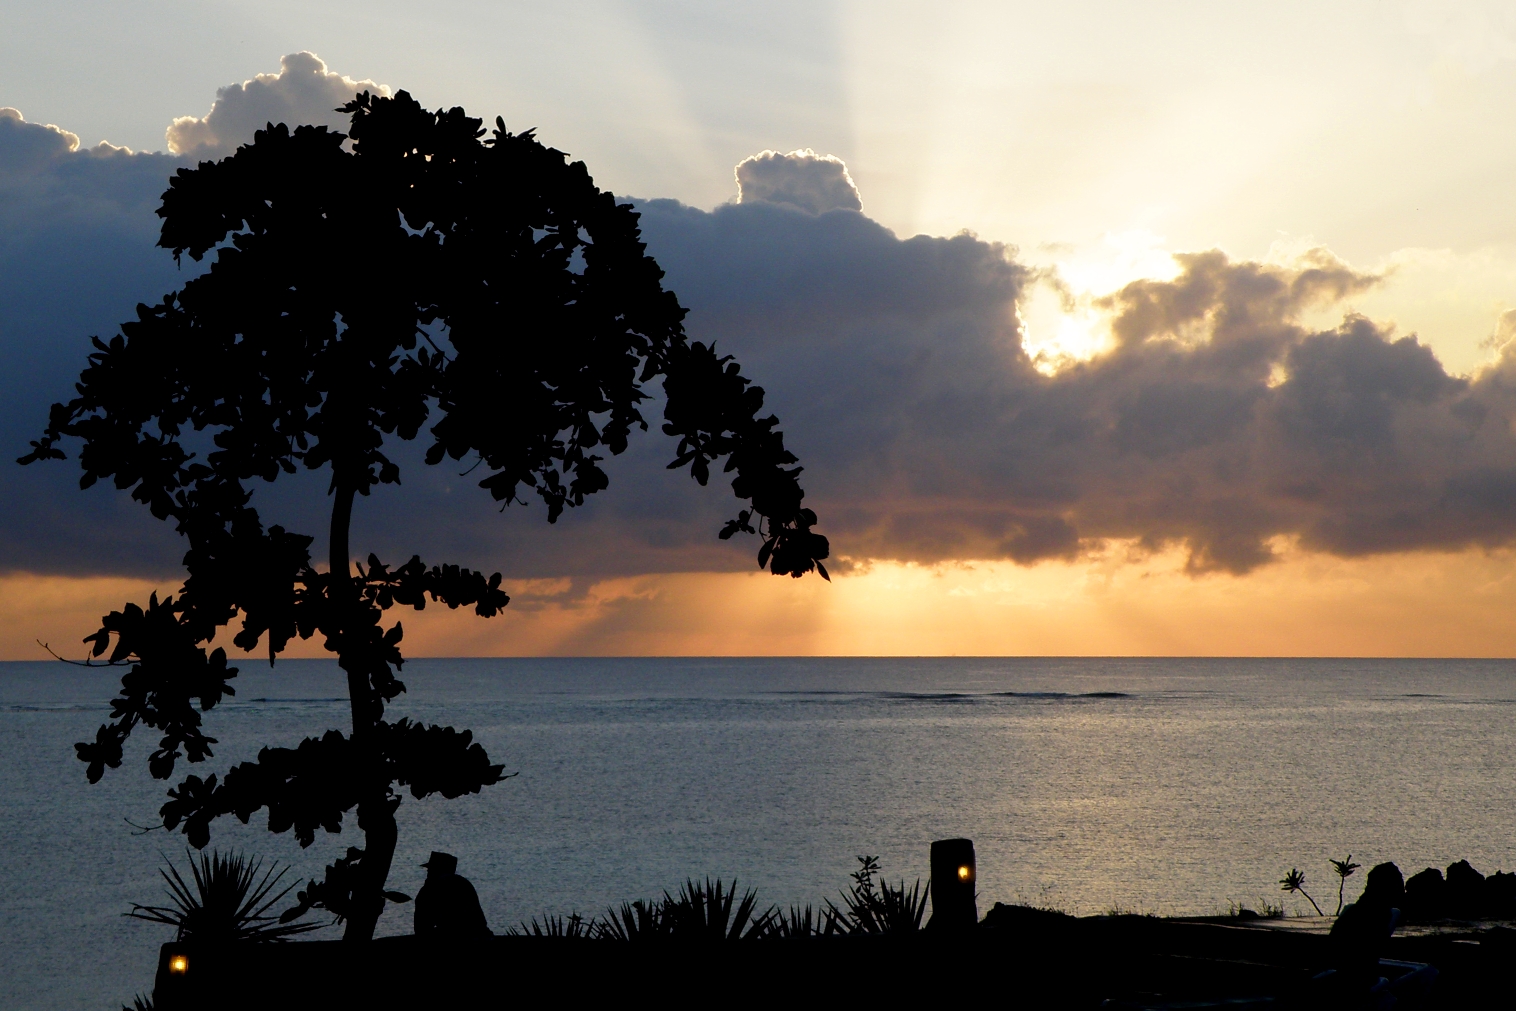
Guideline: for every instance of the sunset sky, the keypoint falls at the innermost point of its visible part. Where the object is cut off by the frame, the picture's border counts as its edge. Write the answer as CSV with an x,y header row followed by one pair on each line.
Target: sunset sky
x,y
1168,328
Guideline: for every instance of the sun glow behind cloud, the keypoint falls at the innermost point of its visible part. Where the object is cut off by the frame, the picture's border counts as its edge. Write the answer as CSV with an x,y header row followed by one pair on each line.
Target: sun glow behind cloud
x,y
1049,125
1457,303
1099,164
1061,323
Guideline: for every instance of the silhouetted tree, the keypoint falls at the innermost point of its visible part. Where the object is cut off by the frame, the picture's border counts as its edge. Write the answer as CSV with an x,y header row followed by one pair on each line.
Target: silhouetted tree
x,y
422,274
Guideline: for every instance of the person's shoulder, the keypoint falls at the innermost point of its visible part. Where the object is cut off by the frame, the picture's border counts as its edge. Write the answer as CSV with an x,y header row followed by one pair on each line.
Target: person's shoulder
x,y
1349,919
458,884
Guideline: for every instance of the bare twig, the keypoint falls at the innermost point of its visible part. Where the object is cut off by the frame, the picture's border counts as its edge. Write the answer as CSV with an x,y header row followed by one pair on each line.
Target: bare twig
x,y
85,662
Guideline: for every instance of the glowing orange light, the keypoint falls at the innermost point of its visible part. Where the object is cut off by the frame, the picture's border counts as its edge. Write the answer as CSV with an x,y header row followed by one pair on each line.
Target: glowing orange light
x,y
179,965
964,872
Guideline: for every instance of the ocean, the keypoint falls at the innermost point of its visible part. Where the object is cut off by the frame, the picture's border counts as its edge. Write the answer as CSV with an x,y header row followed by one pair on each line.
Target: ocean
x,y
1169,786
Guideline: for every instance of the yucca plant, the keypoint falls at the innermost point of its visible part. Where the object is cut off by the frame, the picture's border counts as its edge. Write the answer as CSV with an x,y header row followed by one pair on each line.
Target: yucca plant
x,y
870,908
139,1003
713,912
573,926
803,922
229,901
901,911
633,921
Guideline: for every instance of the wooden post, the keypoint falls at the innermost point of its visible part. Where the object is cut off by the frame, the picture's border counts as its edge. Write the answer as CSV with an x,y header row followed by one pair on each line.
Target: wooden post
x,y
954,875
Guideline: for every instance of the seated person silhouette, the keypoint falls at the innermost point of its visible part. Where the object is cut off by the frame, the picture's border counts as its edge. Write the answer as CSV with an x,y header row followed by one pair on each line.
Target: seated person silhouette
x,y
447,905
1358,937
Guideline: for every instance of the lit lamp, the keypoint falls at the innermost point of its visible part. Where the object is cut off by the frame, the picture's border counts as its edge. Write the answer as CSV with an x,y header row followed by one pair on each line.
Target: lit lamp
x,y
172,982
953,877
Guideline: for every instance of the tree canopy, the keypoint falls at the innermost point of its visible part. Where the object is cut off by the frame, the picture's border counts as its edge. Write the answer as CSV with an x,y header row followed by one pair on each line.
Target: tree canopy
x,y
412,276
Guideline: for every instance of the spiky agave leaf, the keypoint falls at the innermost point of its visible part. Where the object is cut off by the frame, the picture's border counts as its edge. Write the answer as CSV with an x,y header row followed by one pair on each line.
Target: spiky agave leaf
x,y
901,911
806,922
229,901
713,911
878,908
573,927
642,920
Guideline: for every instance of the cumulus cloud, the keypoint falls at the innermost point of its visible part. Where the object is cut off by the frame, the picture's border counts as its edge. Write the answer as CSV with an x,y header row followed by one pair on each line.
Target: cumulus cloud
x,y
76,254
303,91
1217,419
24,147
803,179
44,171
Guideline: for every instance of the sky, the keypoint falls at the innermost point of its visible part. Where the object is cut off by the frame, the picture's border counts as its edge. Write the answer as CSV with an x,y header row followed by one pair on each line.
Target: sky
x,y
1101,329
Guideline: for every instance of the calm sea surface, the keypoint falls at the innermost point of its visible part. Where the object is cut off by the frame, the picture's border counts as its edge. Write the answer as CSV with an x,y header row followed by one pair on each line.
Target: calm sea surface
x,y
1169,786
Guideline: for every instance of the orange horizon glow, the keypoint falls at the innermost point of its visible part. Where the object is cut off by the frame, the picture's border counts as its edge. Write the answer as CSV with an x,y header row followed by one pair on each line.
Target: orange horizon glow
x,y
1413,605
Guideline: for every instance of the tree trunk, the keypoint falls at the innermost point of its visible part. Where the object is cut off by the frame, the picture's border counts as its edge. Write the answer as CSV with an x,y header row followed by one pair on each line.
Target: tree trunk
x,y
376,817
376,812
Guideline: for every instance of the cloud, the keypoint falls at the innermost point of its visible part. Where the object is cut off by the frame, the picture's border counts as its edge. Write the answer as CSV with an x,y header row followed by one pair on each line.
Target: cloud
x,y
26,146
303,91
1217,423
76,254
803,179
78,251
44,173
1504,332
1217,420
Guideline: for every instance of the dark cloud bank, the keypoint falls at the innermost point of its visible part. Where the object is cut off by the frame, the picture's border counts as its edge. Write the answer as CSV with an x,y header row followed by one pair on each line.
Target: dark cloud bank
x,y
1217,422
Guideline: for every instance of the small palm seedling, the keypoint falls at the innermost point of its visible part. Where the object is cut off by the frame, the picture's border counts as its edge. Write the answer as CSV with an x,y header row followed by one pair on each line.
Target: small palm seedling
x,y
1344,869
1294,881
879,909
229,901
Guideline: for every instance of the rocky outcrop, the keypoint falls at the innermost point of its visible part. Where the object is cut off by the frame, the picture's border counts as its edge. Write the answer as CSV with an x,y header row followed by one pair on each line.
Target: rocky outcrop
x,y
1463,894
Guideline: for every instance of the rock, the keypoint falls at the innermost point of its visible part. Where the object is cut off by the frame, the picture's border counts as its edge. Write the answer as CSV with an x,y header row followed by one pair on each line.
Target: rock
x,y
1466,895
1426,896
1500,892
1024,918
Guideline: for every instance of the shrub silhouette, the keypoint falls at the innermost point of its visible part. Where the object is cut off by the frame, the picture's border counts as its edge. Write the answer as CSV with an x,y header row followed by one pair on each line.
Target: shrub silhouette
x,y
641,920
713,911
572,927
425,275
702,911
706,911
868,908
806,921
228,901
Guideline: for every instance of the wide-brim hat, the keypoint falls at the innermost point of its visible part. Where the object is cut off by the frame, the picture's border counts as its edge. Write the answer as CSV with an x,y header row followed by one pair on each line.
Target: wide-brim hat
x,y
444,862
